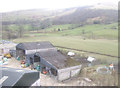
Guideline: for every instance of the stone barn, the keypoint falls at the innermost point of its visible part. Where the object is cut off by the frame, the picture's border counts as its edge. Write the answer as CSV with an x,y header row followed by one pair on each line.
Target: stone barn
x,y
23,50
56,63
49,58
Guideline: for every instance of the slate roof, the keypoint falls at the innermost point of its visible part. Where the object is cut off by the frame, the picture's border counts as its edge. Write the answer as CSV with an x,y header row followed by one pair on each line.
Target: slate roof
x,y
56,58
35,45
18,77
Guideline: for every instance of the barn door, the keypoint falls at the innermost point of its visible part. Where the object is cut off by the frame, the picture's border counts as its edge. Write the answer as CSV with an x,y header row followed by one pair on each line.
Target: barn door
x,y
36,58
31,60
31,63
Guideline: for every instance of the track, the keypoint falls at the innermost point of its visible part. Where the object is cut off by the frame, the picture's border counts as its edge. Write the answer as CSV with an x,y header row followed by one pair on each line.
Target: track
x,y
87,51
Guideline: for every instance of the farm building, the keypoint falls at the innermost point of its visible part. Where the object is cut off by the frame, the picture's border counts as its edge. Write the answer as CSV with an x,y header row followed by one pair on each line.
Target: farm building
x,y
57,64
27,49
49,58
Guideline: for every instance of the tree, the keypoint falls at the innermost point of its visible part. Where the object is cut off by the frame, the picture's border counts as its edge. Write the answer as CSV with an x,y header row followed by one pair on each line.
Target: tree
x,y
20,31
7,33
46,23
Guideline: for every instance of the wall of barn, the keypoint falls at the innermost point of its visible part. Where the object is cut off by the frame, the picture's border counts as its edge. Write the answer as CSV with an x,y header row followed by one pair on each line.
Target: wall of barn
x,y
27,52
20,53
38,50
67,73
27,60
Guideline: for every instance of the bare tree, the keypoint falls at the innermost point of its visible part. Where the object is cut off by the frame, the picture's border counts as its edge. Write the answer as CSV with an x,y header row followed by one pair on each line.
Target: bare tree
x,y
20,31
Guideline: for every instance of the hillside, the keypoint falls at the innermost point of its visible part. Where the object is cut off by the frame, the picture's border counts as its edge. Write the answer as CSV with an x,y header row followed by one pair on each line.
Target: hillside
x,y
92,31
85,15
61,16
95,31
16,23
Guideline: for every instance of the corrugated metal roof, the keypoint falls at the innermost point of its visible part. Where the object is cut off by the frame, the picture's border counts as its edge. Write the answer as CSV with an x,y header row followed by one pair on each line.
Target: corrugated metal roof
x,y
18,77
54,57
35,45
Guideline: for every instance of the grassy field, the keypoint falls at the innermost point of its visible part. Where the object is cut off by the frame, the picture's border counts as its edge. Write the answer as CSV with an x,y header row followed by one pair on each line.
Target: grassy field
x,y
105,43
95,31
101,46
63,27
98,31
74,38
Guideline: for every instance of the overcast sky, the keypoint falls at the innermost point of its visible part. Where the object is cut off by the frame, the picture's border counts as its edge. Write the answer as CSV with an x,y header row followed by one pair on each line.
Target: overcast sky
x,y
13,5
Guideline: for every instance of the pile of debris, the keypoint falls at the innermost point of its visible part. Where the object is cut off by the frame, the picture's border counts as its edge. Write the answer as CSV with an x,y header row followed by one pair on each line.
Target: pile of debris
x,y
3,60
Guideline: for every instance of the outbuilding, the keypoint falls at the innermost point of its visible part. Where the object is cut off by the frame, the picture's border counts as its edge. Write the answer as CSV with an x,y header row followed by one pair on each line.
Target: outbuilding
x,y
56,65
27,49
49,58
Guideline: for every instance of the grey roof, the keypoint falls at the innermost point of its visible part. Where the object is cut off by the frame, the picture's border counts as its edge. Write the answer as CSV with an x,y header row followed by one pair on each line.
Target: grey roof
x,y
35,45
18,77
53,57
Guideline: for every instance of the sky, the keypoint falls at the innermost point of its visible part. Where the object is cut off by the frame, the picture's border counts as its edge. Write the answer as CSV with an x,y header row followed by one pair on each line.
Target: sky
x,y
14,5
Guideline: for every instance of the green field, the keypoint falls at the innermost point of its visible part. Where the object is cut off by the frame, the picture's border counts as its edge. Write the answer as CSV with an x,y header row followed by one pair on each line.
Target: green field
x,y
105,41
101,46
64,27
98,30
95,31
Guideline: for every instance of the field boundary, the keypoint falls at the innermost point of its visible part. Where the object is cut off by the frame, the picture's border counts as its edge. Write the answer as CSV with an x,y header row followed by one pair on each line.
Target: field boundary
x,y
87,51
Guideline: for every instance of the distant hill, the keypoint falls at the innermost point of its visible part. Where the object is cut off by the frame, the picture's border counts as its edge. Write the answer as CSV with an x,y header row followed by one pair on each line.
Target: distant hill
x,y
75,15
86,15
101,12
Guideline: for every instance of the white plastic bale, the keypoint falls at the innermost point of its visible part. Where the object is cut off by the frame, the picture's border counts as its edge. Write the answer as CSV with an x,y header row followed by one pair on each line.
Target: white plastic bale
x,y
71,54
90,59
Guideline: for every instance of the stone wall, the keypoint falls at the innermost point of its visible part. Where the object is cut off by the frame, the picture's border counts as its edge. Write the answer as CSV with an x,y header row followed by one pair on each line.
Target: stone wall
x,y
67,73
